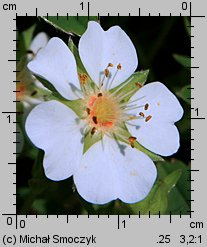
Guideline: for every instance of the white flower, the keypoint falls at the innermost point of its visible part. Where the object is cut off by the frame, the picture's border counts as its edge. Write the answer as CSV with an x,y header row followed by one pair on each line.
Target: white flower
x,y
110,168
26,83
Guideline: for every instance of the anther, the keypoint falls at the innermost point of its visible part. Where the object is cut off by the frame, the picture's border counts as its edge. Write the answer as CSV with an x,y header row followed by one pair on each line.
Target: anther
x,y
30,52
148,118
88,111
33,93
138,84
95,119
146,107
132,140
106,72
83,78
141,114
110,65
100,94
119,66
93,131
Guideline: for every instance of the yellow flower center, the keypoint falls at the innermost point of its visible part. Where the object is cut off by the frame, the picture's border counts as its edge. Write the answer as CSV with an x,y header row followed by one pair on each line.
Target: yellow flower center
x,y
103,111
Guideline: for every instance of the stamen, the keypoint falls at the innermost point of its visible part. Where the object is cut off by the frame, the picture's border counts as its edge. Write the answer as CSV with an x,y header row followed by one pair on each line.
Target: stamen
x,y
124,138
95,119
148,118
119,88
83,78
88,111
141,114
132,140
122,96
31,53
132,107
138,84
93,131
34,93
146,107
134,125
100,95
106,72
118,68
129,118
129,102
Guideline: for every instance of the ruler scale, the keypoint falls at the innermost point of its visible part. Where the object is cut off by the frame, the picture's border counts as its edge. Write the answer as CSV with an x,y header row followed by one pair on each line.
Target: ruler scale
x,y
102,230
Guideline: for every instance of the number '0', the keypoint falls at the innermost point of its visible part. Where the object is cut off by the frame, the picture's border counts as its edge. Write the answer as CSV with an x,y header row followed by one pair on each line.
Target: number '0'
x,y
184,5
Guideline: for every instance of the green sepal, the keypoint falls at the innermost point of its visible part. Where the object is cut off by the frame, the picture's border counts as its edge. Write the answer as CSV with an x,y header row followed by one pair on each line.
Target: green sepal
x,y
76,105
70,24
90,140
124,132
75,52
132,84
48,85
185,94
89,84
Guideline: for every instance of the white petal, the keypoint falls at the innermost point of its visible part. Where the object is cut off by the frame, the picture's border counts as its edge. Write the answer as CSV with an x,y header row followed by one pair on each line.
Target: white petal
x,y
53,127
39,41
110,170
98,48
159,134
56,63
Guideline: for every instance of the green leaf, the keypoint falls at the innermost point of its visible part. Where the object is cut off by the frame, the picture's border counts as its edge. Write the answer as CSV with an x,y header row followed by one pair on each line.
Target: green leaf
x,y
185,94
187,24
131,85
37,170
180,194
70,24
183,60
157,199
40,206
37,184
